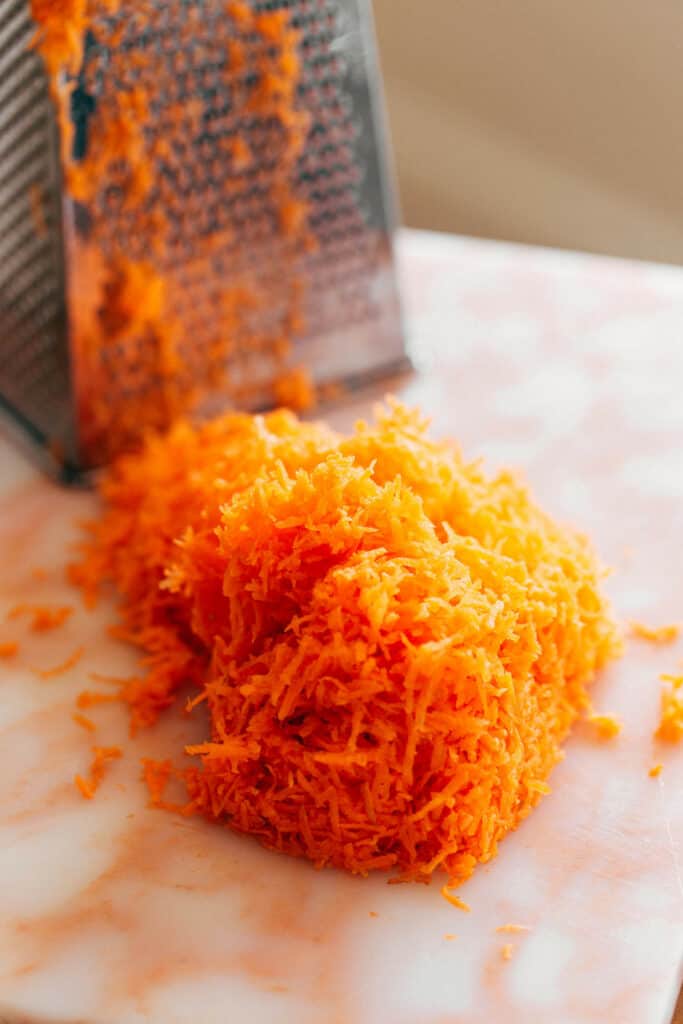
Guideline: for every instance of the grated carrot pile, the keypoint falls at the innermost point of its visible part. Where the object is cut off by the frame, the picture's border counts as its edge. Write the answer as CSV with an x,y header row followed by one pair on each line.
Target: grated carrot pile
x,y
102,755
655,634
391,645
670,728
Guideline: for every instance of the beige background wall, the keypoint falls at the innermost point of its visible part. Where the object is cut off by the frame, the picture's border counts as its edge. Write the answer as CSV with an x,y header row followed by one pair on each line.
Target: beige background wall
x,y
557,122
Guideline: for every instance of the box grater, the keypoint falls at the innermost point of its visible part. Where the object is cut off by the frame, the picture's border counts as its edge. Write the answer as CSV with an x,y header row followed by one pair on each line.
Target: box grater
x,y
196,203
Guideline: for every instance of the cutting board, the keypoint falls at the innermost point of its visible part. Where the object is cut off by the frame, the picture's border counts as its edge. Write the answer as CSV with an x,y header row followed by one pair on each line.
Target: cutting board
x,y
567,366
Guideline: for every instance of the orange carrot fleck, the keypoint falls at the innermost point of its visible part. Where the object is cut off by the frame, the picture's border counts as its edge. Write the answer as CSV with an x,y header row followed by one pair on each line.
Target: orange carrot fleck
x,y
102,755
449,937
9,649
373,913
655,771
513,929
43,618
454,900
84,722
655,634
507,951
606,727
670,728
89,699
60,670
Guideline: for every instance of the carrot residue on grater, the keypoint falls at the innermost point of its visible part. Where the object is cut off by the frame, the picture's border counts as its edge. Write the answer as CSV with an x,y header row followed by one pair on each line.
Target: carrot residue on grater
x,y
181,163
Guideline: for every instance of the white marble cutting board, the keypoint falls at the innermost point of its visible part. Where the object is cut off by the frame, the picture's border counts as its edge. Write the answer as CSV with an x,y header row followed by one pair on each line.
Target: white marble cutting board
x,y
569,367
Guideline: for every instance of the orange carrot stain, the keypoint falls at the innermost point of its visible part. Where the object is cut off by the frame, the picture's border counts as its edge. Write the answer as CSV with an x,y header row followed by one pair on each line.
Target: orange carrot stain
x,y
43,618
84,722
37,207
61,669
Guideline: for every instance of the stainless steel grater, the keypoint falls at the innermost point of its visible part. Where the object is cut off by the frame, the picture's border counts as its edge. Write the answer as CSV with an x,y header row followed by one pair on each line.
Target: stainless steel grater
x,y
256,273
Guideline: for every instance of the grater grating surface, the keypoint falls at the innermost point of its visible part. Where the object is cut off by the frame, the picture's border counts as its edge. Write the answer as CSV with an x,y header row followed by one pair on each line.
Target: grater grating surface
x,y
223,218
34,360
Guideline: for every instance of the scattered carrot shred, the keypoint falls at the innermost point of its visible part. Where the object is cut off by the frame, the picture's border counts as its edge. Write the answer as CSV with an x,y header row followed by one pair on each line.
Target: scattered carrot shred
x,y
373,913
102,755
670,728
454,900
507,951
655,634
296,390
513,929
390,644
156,775
9,649
449,937
63,668
89,699
84,722
655,771
606,727
43,618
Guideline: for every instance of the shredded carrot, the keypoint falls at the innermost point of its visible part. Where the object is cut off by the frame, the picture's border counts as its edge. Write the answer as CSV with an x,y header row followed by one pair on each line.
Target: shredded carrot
x,y
655,634
454,900
513,929
655,771
63,668
373,913
670,729
606,727
507,951
43,618
391,646
9,649
89,699
102,755
296,390
84,722
157,775
449,937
